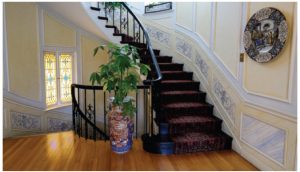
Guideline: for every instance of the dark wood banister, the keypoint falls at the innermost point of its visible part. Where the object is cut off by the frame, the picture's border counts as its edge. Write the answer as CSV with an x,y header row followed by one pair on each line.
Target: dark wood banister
x,y
81,113
75,104
149,46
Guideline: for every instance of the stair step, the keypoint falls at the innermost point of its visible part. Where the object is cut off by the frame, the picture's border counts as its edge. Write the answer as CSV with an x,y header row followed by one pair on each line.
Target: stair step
x,y
95,8
186,96
171,66
110,26
184,108
102,18
160,59
136,44
118,34
116,31
201,141
186,123
145,52
171,75
127,38
179,85
158,144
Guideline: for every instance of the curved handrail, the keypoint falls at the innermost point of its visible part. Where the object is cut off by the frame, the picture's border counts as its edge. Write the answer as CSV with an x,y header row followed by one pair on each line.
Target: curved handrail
x,y
75,104
96,87
149,46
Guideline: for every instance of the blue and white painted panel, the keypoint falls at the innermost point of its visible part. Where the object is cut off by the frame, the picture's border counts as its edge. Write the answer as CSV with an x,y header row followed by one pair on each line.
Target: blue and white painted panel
x,y
225,99
58,125
202,65
158,35
267,139
22,121
184,48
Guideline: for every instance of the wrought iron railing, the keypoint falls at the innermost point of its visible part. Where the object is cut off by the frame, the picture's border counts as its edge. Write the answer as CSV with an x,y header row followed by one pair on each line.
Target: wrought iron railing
x,y
92,123
125,24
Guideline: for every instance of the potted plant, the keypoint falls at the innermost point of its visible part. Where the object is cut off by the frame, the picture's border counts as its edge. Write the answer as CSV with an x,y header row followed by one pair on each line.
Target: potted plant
x,y
120,76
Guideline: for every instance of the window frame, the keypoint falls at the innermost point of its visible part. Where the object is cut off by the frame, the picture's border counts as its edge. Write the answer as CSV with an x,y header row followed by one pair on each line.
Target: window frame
x,y
58,51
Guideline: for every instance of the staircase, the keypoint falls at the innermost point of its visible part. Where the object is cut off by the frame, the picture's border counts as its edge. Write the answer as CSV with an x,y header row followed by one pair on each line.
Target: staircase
x,y
185,120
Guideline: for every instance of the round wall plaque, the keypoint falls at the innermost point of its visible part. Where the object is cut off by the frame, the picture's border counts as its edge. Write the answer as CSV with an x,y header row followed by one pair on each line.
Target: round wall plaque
x,y
265,34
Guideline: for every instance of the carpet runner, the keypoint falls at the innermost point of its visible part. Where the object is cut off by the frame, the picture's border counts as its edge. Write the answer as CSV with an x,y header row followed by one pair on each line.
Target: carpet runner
x,y
191,124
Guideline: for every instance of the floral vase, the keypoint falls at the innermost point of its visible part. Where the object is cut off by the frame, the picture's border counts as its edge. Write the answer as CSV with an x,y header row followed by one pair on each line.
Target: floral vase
x,y
121,131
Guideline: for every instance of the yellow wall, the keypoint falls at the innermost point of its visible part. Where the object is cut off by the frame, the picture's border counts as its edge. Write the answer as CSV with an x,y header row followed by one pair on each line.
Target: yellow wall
x,y
58,34
227,37
23,49
184,13
89,62
272,78
203,20
22,28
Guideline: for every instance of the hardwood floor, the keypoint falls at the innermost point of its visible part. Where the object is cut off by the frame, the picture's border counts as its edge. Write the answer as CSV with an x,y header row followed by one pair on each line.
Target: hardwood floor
x,y
64,151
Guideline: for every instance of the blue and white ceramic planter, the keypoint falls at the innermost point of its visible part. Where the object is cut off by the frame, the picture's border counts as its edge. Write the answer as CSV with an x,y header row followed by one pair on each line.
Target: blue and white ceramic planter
x,y
121,131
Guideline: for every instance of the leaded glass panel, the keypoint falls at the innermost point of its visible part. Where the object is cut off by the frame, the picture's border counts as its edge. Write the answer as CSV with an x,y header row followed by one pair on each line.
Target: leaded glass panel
x,y
50,78
65,66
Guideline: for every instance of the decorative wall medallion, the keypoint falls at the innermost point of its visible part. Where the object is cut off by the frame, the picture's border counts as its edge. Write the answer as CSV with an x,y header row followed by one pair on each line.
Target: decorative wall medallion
x,y
22,121
202,65
224,98
265,34
160,36
184,48
58,125
267,139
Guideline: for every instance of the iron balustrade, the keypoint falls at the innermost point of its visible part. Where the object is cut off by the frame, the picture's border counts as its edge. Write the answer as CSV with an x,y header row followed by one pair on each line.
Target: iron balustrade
x,y
126,24
85,122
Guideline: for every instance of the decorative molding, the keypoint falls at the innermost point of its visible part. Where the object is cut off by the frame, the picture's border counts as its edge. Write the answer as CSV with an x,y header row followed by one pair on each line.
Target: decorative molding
x,y
5,118
78,59
22,100
224,98
23,121
264,138
159,35
237,53
41,55
5,54
201,64
257,100
243,24
212,26
54,124
194,16
184,48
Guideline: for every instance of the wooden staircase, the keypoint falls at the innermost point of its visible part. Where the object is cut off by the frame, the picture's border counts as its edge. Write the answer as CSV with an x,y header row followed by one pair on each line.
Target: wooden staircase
x,y
185,120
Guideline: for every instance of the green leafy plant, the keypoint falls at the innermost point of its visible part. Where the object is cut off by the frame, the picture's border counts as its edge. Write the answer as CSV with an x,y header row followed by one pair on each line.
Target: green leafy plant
x,y
151,5
121,74
111,5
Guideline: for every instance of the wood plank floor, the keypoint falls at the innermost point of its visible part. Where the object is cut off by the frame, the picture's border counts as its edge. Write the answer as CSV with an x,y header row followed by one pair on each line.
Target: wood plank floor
x,y
64,151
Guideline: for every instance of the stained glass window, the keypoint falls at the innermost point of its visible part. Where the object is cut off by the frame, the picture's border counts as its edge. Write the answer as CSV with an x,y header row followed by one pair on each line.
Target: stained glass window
x,y
65,70
50,78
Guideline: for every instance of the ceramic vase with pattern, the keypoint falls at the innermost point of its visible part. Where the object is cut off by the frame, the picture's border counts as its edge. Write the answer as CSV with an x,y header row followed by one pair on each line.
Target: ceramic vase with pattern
x,y
121,131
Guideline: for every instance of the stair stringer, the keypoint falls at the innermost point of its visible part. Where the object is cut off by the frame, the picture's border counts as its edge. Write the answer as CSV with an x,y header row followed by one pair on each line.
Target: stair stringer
x,y
100,23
